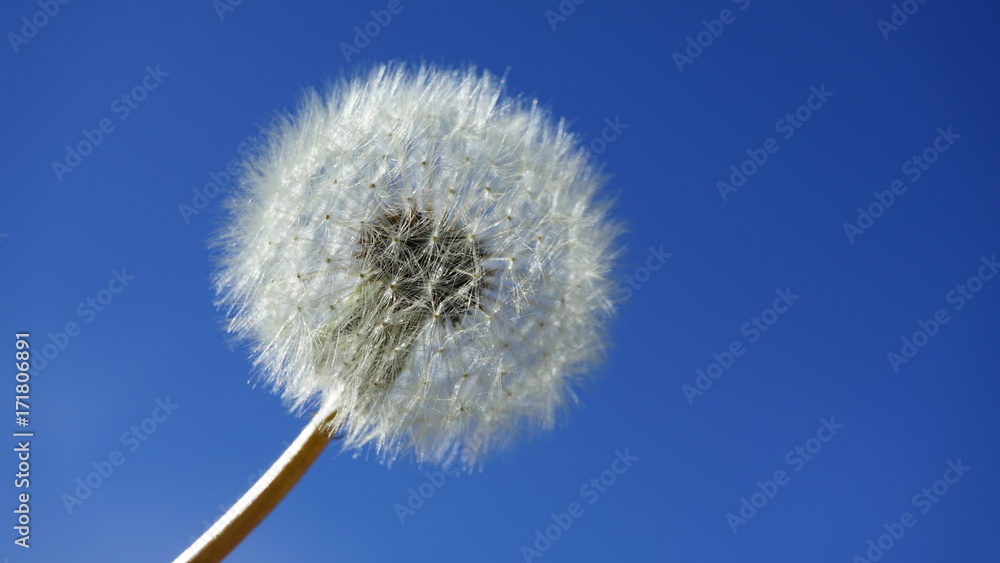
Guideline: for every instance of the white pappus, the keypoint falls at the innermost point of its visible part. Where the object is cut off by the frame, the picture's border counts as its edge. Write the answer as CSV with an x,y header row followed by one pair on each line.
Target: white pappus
x,y
424,254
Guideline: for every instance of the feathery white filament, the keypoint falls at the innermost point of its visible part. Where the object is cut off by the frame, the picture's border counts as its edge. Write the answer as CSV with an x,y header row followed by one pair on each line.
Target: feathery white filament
x,y
424,254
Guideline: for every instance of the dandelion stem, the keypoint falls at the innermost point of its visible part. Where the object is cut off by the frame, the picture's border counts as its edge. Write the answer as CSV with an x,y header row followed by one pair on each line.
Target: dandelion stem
x,y
216,543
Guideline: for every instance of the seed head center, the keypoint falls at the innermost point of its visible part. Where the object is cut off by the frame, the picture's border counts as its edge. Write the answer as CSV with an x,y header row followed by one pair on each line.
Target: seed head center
x,y
427,266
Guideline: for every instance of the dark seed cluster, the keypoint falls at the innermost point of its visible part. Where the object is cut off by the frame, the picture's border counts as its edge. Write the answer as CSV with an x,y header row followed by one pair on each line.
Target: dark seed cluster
x,y
428,268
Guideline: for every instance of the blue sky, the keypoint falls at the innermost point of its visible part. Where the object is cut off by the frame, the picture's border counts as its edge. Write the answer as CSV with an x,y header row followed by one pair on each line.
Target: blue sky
x,y
848,363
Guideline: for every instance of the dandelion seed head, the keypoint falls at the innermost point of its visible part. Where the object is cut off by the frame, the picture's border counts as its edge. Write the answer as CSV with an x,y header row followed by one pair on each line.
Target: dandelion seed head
x,y
424,253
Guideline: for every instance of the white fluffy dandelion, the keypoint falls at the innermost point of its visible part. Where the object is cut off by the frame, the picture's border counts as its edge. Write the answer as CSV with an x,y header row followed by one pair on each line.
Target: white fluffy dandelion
x,y
423,255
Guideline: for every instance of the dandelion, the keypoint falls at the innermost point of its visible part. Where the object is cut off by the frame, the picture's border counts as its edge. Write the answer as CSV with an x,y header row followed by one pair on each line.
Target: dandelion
x,y
423,260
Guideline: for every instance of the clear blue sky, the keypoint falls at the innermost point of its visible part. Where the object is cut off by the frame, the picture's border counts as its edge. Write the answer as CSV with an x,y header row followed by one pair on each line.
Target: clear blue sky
x,y
839,106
